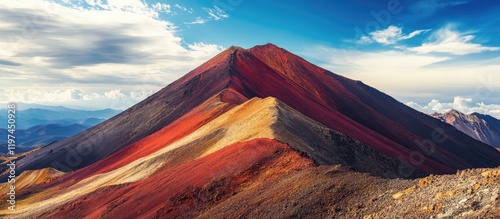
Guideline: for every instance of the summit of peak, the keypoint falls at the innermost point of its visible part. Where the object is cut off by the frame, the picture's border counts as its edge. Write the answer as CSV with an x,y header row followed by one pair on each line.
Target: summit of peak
x,y
267,46
257,49
235,48
454,112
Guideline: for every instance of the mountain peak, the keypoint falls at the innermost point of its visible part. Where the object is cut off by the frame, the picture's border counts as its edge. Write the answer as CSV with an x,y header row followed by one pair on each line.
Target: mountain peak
x,y
455,112
260,48
267,46
235,48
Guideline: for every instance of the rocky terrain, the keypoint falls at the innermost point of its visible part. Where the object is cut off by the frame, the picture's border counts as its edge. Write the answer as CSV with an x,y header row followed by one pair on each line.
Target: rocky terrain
x,y
336,192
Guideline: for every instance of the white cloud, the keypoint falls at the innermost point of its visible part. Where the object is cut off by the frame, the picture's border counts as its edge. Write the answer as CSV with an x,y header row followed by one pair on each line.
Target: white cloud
x,y
161,7
75,97
198,20
462,104
448,40
365,40
216,13
140,95
390,35
182,8
53,45
114,94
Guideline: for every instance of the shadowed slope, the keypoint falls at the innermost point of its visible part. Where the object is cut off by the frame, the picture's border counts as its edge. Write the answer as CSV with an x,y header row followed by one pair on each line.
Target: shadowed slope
x,y
356,110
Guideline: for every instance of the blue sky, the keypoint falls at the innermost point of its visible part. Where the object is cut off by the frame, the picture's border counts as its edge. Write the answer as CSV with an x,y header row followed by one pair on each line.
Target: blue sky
x,y
433,55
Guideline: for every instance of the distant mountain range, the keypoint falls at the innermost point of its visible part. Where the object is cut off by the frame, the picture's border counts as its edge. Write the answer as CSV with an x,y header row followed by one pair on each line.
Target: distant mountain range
x,y
38,127
40,135
259,133
57,115
482,127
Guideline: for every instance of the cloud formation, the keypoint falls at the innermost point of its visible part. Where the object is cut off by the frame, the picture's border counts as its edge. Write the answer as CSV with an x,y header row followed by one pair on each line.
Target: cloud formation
x,y
216,13
162,7
390,35
198,20
448,40
68,44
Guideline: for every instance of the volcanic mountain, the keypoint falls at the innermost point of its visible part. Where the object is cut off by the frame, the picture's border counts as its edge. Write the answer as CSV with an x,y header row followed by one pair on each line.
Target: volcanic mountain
x,y
244,119
481,127
347,106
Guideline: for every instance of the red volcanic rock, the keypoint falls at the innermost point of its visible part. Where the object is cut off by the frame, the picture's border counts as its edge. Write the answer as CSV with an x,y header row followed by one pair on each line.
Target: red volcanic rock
x,y
189,187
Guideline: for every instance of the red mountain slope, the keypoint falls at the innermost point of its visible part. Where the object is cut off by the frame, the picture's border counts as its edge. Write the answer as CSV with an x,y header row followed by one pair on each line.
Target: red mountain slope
x,y
211,178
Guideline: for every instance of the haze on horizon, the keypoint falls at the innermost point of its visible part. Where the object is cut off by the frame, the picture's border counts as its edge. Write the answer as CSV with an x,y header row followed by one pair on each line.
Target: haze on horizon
x,y
433,55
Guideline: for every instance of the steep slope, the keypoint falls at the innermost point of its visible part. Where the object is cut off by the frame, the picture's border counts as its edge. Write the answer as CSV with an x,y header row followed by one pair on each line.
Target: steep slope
x,y
356,110
481,127
341,104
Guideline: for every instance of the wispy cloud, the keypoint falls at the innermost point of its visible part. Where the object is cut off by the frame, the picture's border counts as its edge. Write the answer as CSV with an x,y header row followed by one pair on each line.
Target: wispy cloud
x,y
448,40
162,7
182,8
390,35
216,13
198,20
